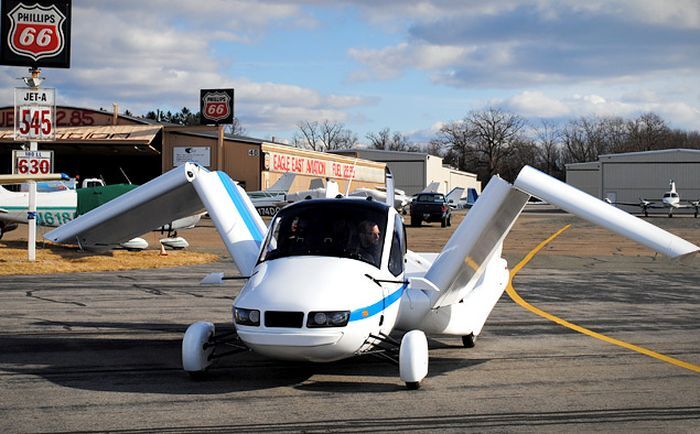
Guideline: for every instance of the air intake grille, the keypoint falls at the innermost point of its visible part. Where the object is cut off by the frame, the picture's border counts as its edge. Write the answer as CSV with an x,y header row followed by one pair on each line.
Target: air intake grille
x,y
284,319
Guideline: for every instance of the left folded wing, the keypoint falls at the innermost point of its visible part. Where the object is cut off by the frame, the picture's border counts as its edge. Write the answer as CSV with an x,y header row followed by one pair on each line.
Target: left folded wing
x,y
181,192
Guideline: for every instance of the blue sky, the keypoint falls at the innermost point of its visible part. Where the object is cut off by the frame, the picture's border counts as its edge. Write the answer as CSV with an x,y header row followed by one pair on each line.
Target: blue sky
x,y
400,64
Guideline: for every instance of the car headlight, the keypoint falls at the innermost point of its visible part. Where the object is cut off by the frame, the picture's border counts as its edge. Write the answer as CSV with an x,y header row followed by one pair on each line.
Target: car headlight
x,y
249,317
328,319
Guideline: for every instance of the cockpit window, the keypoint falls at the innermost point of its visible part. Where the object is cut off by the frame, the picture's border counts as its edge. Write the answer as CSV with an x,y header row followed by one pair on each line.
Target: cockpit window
x,y
343,230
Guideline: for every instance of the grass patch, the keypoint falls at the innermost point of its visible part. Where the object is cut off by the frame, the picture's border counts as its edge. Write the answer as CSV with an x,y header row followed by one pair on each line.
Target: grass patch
x,y
53,258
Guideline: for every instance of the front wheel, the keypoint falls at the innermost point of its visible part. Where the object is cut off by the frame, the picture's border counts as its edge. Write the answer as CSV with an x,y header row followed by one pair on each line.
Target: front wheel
x,y
413,358
196,348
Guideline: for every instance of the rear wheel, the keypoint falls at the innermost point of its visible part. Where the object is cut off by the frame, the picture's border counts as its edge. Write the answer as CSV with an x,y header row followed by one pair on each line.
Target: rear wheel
x,y
469,341
443,222
415,221
449,220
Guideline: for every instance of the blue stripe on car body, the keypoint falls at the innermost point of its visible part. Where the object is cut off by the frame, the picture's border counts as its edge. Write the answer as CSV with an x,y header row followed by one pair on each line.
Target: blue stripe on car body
x,y
366,312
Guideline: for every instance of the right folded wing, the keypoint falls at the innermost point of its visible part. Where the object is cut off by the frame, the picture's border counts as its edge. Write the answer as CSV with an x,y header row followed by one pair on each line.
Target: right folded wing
x,y
181,192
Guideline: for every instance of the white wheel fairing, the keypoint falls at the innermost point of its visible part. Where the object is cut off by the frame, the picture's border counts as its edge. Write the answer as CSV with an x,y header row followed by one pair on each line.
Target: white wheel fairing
x,y
194,356
413,357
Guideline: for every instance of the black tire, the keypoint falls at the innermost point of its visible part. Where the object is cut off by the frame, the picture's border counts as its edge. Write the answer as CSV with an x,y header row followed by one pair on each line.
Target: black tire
x,y
413,385
469,341
198,375
449,220
443,222
415,222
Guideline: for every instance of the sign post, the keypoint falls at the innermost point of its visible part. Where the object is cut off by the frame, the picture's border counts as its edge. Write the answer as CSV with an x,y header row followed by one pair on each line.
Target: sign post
x,y
35,119
35,33
216,107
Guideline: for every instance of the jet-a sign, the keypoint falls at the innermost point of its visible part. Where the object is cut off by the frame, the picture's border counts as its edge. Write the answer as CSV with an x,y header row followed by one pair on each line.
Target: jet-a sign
x,y
36,33
35,114
216,106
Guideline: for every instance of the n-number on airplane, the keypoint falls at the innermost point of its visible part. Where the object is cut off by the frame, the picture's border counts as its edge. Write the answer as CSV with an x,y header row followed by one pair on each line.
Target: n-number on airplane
x,y
332,278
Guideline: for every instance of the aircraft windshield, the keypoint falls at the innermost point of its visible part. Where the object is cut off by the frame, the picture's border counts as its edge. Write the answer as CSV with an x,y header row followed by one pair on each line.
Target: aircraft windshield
x,y
343,230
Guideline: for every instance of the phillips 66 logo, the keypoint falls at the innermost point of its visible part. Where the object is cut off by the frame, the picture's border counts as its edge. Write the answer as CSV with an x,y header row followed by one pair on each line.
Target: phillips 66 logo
x,y
36,30
216,106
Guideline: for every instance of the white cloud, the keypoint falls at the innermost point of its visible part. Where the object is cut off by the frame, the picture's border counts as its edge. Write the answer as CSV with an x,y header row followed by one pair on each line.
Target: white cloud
x,y
537,104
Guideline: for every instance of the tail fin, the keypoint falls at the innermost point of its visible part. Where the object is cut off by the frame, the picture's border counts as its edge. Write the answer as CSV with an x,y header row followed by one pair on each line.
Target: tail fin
x,y
467,253
454,195
390,194
433,187
283,183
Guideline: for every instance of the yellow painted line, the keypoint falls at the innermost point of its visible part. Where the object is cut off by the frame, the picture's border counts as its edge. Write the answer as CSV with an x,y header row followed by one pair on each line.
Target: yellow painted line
x,y
519,300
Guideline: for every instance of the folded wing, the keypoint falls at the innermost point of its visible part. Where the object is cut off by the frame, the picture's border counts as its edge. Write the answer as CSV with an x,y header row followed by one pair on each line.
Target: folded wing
x,y
186,190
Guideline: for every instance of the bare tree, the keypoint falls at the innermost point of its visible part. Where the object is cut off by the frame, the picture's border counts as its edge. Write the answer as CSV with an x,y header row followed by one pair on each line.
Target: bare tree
x,y
648,132
323,136
384,139
454,141
547,138
493,134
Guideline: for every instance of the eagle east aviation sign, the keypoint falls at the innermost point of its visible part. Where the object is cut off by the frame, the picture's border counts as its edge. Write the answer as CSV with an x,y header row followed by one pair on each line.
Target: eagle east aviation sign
x,y
36,33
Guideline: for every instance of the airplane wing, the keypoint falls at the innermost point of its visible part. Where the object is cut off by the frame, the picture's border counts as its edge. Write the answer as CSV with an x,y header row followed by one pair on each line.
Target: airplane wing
x,y
18,179
181,192
476,243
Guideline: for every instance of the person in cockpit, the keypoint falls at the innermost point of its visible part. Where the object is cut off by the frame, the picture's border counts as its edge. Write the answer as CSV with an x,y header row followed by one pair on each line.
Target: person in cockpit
x,y
370,236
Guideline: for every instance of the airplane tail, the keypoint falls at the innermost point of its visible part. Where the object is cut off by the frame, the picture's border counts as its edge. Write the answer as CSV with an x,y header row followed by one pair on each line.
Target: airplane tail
x,y
454,195
181,192
284,183
472,196
390,193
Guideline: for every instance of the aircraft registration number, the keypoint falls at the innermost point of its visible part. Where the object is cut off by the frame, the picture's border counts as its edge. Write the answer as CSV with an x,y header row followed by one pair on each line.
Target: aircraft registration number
x,y
53,218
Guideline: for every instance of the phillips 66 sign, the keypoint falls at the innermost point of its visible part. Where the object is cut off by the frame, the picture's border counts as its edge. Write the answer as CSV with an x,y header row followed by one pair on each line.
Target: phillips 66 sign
x,y
36,33
215,106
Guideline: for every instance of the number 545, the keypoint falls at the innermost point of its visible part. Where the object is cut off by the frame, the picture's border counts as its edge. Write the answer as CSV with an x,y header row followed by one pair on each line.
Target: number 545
x,y
35,121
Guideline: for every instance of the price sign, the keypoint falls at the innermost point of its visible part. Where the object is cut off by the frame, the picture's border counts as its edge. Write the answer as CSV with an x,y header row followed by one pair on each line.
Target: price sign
x,y
35,114
32,162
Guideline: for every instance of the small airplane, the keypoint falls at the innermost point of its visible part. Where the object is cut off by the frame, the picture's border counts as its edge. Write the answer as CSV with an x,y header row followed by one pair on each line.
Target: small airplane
x,y
401,201
269,201
671,200
58,202
332,278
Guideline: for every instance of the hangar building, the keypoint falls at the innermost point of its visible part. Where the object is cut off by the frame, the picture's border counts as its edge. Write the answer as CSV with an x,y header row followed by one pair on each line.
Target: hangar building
x,y
97,143
627,177
413,171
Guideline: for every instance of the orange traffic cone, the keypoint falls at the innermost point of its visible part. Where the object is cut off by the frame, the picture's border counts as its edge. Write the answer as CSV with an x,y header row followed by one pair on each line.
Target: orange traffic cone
x,y
162,250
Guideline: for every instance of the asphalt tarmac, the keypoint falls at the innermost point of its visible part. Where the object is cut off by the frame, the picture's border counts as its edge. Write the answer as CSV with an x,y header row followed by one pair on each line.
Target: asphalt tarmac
x,y
101,352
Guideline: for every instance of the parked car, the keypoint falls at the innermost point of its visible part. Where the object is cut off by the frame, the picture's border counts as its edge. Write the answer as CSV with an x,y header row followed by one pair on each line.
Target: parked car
x,y
430,207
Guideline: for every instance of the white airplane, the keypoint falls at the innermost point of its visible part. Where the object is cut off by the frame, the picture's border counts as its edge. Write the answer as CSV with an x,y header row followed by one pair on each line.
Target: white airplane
x,y
269,201
332,278
379,194
454,196
57,204
671,200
